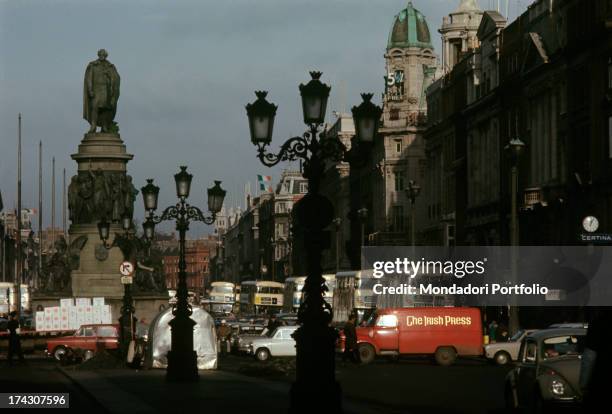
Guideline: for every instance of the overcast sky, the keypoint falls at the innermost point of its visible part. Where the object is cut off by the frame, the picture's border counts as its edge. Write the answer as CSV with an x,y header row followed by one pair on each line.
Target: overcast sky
x,y
187,70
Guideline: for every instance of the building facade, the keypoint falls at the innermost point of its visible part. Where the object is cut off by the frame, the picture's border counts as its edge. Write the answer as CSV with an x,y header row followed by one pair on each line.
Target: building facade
x,y
381,210
545,79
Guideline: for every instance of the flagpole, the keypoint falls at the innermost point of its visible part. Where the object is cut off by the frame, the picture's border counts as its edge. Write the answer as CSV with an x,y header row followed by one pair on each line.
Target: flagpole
x,y
53,203
40,215
64,204
18,238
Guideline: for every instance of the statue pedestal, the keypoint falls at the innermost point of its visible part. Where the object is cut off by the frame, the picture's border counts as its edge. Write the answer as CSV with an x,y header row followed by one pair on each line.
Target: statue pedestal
x,y
98,272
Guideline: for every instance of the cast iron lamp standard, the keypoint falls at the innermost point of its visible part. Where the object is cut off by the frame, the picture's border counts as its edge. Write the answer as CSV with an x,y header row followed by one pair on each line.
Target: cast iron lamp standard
x,y
182,359
514,150
128,244
412,191
315,384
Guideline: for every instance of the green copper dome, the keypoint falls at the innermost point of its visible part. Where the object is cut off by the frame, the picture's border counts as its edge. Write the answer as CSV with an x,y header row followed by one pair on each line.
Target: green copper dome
x,y
409,30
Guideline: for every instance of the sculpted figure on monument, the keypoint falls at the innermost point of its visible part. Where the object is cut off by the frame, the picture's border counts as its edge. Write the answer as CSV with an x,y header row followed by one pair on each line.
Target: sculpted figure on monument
x,y
74,200
57,268
102,203
85,205
129,196
117,189
100,94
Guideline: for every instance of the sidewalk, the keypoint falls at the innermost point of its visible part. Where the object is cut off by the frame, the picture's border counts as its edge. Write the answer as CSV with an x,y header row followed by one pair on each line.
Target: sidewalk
x,y
124,390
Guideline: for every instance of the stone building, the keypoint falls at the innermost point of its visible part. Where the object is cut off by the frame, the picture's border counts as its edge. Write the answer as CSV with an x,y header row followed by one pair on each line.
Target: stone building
x,y
379,175
198,253
459,33
544,78
336,187
276,227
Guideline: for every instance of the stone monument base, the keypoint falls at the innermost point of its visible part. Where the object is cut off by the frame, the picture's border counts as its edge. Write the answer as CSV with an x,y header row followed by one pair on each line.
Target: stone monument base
x,y
98,272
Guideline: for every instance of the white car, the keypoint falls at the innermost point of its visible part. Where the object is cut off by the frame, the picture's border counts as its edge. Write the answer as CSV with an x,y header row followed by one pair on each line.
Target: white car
x,y
279,343
503,353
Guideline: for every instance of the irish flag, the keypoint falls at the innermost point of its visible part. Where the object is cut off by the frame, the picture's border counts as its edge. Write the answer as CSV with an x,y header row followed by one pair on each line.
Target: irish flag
x,y
265,183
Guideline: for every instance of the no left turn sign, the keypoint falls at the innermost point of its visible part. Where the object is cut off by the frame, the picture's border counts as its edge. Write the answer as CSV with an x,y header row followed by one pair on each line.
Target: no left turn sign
x,y
126,268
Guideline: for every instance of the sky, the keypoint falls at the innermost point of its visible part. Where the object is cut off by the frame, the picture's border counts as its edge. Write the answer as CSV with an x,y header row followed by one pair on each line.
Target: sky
x,y
187,70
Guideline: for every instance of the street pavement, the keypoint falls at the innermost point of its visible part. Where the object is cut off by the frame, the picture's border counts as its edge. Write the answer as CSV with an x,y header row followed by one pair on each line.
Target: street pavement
x,y
41,375
410,386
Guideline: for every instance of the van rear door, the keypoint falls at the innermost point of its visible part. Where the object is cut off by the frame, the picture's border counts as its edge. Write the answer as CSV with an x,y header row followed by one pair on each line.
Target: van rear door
x,y
386,333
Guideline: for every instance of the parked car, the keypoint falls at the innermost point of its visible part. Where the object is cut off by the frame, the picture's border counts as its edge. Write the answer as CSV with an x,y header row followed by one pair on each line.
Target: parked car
x,y
504,352
547,371
280,343
445,332
86,338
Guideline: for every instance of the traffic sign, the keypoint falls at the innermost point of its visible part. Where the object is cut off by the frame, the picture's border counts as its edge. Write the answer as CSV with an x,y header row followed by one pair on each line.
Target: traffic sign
x,y
126,268
126,280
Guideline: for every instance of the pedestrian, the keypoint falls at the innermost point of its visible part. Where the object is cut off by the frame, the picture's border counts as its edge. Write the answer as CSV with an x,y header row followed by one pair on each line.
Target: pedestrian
x,y
598,361
350,340
224,334
502,332
142,329
493,331
14,340
273,323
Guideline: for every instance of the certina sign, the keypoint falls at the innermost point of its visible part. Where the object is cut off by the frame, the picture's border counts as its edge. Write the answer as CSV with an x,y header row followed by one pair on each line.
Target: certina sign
x,y
445,320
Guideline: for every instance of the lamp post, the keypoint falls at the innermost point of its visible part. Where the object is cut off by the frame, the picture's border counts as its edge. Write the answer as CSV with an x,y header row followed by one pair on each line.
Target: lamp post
x,y
412,191
182,359
338,226
362,213
127,244
514,149
315,384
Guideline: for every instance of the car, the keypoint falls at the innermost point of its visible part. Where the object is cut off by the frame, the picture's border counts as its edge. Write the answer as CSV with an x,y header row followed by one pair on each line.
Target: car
x,y
86,338
547,371
503,353
279,343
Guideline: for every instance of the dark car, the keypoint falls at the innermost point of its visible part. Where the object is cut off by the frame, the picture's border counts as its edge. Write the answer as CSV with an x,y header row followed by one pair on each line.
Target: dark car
x,y
547,370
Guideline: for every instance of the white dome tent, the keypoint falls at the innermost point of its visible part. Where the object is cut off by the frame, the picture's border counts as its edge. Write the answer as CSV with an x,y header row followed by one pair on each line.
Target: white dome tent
x,y
204,339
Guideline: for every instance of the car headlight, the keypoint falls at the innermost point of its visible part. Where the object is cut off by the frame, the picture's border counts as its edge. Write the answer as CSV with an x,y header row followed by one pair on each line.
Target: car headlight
x,y
557,388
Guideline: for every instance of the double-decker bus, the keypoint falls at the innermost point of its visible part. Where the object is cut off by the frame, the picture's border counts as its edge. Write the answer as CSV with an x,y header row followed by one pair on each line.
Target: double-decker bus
x,y
353,293
293,291
221,298
261,296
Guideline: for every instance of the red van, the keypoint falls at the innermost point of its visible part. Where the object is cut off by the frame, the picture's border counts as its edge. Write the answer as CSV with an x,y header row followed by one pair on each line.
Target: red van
x,y
444,332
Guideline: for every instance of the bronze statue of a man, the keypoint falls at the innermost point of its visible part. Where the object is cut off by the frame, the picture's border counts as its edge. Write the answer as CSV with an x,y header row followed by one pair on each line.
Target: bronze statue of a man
x,y
100,93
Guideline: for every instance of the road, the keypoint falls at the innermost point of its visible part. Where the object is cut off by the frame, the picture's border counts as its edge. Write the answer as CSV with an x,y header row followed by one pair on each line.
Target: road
x,y
415,385
39,374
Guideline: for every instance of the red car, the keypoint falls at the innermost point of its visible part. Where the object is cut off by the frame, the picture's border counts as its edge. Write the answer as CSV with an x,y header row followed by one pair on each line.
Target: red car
x,y
87,338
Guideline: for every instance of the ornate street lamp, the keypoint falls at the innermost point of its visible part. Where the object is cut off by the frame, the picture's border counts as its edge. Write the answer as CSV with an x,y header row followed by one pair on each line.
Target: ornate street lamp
x,y
128,244
182,359
315,339
338,226
366,118
362,213
412,191
514,149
